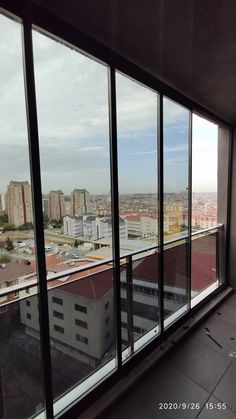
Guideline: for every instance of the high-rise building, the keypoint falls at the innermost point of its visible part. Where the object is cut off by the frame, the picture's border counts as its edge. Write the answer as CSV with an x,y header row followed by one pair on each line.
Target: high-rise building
x,y
19,203
80,202
2,202
56,205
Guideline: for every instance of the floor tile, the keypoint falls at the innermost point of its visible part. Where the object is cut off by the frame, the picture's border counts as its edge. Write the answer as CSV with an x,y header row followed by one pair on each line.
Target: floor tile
x,y
200,363
217,412
226,389
165,384
218,333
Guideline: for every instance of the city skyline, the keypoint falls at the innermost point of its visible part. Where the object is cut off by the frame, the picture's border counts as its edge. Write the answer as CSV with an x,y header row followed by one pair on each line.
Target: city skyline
x,y
68,194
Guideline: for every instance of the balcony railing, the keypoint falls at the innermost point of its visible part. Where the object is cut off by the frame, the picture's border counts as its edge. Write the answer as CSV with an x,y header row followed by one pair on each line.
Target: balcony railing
x,y
83,318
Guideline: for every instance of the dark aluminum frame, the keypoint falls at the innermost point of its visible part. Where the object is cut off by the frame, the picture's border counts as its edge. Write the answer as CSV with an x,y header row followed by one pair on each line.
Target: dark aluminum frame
x,y
34,15
32,122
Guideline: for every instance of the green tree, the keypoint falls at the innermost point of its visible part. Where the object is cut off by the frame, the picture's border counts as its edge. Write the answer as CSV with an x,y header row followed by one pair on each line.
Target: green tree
x,y
77,243
9,244
3,219
56,223
26,226
9,227
5,258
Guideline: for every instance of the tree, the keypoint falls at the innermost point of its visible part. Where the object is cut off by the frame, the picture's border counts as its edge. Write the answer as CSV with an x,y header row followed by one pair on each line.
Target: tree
x,y
9,244
5,258
9,227
56,223
77,243
3,219
26,226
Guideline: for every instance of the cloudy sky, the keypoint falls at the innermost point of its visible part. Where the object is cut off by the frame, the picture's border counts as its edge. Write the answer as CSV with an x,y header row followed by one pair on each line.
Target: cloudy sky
x,y
72,105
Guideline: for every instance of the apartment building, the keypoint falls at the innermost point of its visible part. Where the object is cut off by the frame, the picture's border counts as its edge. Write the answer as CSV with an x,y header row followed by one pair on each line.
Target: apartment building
x,y
56,205
80,202
81,312
19,203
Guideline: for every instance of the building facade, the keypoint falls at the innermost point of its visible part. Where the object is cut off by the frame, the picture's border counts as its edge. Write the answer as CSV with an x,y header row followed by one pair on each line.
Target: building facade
x,y
19,203
56,205
80,202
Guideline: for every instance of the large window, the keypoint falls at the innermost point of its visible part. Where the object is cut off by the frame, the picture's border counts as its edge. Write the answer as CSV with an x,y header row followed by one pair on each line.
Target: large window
x,y
137,113
172,244
21,388
73,116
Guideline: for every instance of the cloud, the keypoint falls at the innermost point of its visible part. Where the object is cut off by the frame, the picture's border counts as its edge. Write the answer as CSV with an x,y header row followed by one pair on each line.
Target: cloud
x,y
73,120
175,148
141,153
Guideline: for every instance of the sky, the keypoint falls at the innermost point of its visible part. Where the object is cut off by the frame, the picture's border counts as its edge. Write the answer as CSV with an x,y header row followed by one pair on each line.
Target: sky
x,y
73,120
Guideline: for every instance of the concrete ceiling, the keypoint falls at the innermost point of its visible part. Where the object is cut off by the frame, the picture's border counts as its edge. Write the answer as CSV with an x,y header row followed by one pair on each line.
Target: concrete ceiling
x,y
189,44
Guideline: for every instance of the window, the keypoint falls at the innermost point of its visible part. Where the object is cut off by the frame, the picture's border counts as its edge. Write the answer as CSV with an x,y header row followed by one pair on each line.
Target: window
x,y
80,308
74,141
204,204
176,134
74,136
81,323
57,300
58,314
81,338
58,329
137,138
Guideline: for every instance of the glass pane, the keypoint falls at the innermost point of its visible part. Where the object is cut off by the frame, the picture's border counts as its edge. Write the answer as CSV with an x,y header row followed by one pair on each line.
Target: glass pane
x,y
175,279
204,204
176,176
20,358
204,173
81,325
139,301
19,350
73,113
204,262
137,110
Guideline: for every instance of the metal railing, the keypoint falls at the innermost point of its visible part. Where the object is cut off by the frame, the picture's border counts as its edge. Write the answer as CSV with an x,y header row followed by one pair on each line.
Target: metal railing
x,y
125,256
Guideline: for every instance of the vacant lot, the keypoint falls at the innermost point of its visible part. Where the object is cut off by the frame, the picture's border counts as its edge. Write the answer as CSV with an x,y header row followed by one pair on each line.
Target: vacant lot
x,y
17,235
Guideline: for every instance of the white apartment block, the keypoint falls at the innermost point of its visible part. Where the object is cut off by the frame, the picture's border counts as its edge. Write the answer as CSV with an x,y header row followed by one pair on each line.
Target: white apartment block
x,y
104,228
73,226
91,227
149,226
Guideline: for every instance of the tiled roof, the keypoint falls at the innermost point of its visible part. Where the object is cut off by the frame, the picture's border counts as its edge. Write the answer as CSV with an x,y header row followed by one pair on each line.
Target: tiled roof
x,y
94,283
14,270
203,269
